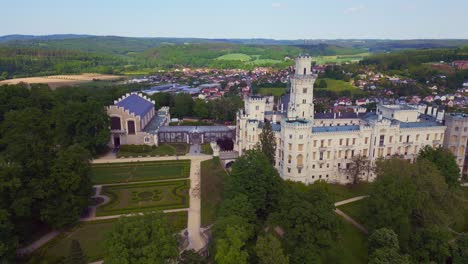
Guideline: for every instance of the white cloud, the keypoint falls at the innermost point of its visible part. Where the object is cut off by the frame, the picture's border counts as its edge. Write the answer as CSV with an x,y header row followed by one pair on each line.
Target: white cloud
x,y
276,5
354,9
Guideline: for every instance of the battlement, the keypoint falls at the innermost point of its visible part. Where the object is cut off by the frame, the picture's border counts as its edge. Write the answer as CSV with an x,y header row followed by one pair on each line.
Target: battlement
x,y
129,94
296,124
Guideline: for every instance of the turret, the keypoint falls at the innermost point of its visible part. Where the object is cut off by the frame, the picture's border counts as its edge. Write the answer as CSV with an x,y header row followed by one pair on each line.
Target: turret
x,y
303,64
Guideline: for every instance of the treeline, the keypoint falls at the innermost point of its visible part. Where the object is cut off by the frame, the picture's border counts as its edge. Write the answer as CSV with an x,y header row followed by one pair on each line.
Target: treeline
x,y
24,61
47,139
183,105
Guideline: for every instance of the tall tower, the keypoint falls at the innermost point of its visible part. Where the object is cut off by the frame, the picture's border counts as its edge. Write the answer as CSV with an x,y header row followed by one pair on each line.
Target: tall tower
x,y
301,105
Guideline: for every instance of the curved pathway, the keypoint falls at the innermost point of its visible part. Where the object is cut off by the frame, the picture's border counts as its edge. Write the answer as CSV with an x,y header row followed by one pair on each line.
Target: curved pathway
x,y
349,218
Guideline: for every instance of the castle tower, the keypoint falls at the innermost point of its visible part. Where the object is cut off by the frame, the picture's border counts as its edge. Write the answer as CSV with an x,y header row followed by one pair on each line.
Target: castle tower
x,y
301,105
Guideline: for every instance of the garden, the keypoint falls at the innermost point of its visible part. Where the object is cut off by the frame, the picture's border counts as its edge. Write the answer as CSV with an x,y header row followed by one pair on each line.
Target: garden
x,y
139,171
139,197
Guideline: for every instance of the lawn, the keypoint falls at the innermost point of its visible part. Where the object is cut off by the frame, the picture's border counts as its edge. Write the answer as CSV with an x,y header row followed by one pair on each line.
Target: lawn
x,y
206,149
130,198
275,91
351,247
139,171
212,185
356,211
343,192
264,61
162,150
91,236
339,86
235,56
339,59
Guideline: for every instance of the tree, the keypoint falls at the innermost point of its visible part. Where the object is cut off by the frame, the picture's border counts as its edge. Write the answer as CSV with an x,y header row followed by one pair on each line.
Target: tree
x,y
8,241
460,250
267,143
253,176
190,257
141,239
388,256
70,176
75,254
200,108
322,84
430,244
230,249
445,161
358,165
384,248
183,105
269,251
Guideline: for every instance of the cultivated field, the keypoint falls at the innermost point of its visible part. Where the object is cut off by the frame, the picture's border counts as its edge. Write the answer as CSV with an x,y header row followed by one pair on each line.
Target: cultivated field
x,y
63,80
140,171
129,198
340,58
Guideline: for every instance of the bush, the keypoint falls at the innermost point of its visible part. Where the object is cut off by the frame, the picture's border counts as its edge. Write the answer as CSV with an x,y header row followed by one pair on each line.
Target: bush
x,y
137,148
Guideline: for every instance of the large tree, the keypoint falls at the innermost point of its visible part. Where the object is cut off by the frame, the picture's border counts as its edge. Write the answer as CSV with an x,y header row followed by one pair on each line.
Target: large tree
x,y
230,250
358,166
269,251
267,143
141,239
384,248
445,161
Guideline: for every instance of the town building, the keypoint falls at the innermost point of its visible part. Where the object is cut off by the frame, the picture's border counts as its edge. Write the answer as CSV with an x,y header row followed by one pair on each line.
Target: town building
x,y
316,146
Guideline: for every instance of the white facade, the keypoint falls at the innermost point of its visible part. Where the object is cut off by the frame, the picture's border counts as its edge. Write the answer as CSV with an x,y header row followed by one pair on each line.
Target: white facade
x,y
313,147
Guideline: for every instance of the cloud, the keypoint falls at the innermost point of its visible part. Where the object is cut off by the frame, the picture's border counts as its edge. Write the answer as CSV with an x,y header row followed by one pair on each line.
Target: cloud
x,y
276,5
354,9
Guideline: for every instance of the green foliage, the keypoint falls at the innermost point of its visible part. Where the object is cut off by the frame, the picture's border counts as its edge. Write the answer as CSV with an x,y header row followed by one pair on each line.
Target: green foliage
x,y
383,238
267,142
230,249
388,256
269,251
430,244
254,176
445,161
141,239
8,240
190,257
75,255
460,250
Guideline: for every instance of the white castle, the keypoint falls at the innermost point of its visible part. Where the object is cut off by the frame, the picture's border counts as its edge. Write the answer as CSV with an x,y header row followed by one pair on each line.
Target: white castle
x,y
317,146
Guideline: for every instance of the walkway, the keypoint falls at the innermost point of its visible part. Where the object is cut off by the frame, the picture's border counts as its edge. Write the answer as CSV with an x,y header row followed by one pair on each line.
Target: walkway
x,y
38,243
349,218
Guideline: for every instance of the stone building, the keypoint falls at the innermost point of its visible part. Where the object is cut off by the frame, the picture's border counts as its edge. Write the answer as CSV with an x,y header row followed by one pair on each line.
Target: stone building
x,y
312,146
135,121
456,138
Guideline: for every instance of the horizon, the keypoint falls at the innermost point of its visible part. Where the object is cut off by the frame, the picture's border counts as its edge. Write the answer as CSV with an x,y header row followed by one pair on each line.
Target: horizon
x,y
208,19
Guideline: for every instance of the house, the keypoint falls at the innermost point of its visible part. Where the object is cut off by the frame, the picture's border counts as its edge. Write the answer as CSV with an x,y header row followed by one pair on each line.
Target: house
x,y
360,102
429,99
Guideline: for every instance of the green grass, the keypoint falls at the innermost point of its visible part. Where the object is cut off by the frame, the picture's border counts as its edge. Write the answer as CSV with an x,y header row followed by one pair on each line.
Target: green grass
x,y
356,211
264,62
343,192
339,86
276,91
235,56
162,150
91,236
127,198
339,59
139,171
351,247
206,149
212,185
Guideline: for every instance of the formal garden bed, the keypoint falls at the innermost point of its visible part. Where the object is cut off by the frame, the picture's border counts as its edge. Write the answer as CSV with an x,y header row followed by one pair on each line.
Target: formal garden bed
x,y
140,171
212,183
129,198
91,236
128,151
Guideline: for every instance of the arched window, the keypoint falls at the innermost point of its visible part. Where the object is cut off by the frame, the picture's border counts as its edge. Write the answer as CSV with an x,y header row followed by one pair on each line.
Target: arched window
x,y
299,160
115,123
131,127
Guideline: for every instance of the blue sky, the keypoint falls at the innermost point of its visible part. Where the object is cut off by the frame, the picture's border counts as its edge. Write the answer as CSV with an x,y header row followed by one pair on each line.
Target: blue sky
x,y
295,19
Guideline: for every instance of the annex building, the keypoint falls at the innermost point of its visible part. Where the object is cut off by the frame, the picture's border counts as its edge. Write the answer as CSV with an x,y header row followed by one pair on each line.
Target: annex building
x,y
316,146
134,121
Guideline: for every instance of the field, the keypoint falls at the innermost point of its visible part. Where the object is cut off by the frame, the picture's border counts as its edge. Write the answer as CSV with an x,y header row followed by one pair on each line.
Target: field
x,y
235,56
139,171
339,59
55,81
129,198
275,91
249,59
212,182
91,237
339,86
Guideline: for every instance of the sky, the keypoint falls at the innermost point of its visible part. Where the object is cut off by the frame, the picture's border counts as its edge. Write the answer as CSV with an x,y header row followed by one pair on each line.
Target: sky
x,y
294,19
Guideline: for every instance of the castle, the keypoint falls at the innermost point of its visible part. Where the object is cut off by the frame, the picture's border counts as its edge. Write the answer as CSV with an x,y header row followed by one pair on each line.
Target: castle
x,y
321,146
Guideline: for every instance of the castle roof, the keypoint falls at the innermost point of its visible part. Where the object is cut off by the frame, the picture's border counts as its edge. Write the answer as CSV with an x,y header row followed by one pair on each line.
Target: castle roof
x,y
136,105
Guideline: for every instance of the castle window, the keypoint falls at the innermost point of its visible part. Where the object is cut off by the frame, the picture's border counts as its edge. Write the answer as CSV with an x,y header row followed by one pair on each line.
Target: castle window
x,y
115,123
407,139
329,142
147,139
289,159
354,141
320,176
313,166
315,143
366,140
257,107
290,146
299,160
347,142
381,140
321,143
341,141
390,139
304,101
290,136
428,136
300,147
301,136
289,169
456,128
417,137
131,127
304,90
305,71
321,155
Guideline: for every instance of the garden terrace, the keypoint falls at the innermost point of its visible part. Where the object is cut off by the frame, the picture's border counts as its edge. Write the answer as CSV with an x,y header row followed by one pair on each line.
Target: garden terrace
x,y
140,171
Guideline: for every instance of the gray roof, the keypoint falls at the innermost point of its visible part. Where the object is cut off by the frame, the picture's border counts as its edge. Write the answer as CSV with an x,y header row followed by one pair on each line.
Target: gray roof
x,y
199,129
274,126
324,129
136,104
154,124
419,124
